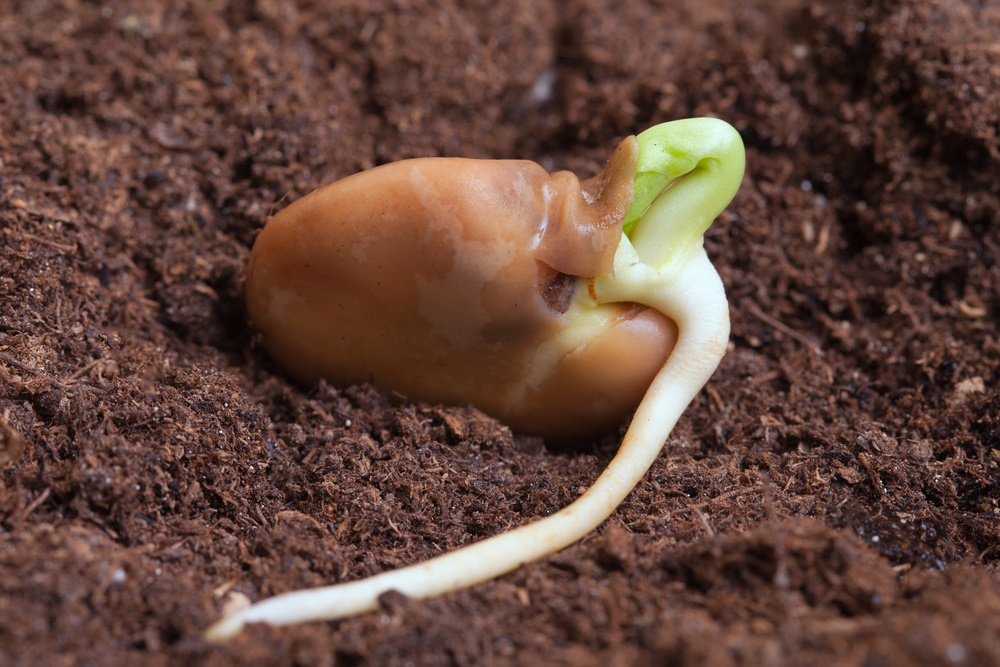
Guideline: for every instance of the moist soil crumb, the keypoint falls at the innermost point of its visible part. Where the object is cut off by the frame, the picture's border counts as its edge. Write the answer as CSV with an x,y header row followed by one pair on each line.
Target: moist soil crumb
x,y
831,498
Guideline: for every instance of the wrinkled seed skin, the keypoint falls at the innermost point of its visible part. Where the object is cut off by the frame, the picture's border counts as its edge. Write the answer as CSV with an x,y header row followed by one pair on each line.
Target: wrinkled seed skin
x,y
423,276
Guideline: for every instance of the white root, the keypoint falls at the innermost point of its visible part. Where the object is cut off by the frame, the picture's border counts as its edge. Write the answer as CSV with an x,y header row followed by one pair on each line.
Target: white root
x,y
692,295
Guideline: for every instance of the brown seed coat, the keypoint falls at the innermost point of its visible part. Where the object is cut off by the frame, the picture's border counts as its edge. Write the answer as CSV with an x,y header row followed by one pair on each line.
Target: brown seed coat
x,y
441,279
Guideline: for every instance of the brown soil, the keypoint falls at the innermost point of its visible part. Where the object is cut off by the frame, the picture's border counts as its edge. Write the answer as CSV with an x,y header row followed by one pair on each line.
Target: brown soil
x,y
830,499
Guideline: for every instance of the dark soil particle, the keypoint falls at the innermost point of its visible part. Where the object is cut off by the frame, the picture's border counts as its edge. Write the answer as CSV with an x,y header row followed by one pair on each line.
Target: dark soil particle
x,y
831,498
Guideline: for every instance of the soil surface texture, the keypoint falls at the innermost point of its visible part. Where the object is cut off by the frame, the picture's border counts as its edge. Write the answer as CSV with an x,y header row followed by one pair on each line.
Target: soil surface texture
x,y
830,498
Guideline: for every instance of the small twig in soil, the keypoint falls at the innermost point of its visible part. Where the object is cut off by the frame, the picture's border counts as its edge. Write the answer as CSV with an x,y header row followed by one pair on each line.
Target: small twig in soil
x,y
751,308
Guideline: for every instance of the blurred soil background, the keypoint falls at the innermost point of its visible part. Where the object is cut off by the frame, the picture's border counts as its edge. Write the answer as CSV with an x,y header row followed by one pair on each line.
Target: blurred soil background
x,y
830,499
